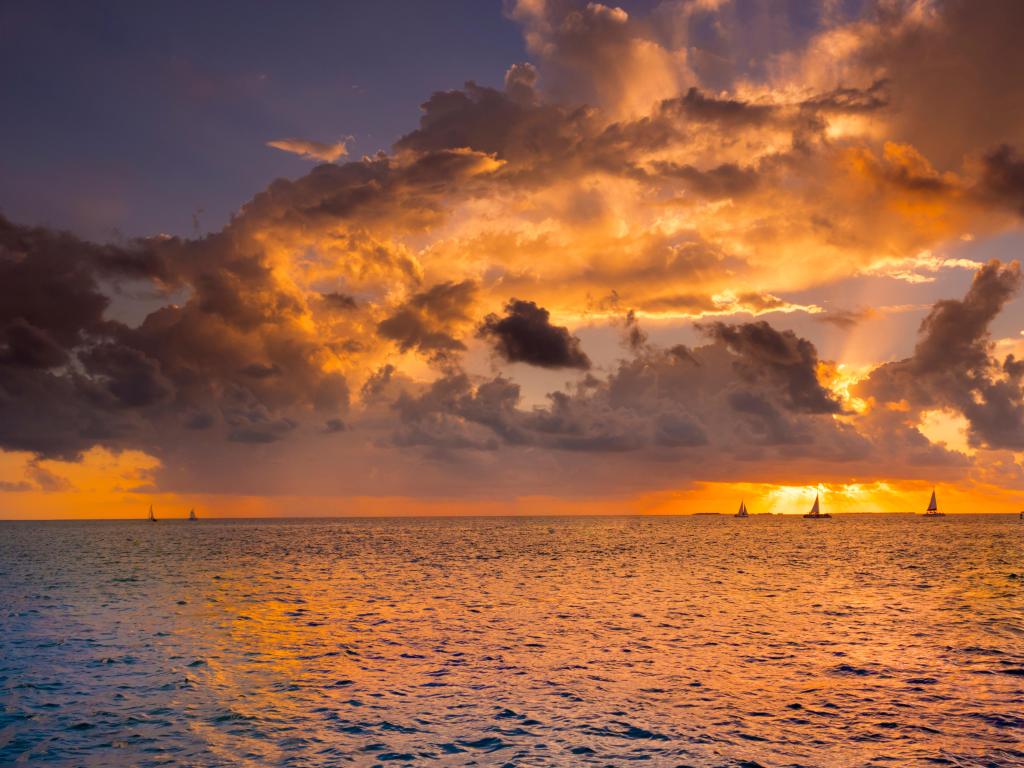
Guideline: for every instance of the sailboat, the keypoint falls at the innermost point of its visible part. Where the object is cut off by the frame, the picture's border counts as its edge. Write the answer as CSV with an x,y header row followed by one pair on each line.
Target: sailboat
x,y
933,508
152,517
192,515
815,512
743,510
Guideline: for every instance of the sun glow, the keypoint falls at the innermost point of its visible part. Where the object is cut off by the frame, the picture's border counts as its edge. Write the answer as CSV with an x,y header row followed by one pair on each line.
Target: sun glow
x,y
944,427
840,379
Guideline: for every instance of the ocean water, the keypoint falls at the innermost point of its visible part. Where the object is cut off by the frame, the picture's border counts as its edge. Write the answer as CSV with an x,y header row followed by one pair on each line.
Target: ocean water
x,y
690,641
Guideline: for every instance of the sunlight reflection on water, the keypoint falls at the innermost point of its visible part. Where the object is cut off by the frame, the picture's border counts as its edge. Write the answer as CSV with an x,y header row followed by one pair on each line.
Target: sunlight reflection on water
x,y
528,642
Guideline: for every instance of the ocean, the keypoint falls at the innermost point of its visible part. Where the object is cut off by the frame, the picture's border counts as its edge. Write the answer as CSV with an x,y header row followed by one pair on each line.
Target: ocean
x,y
673,641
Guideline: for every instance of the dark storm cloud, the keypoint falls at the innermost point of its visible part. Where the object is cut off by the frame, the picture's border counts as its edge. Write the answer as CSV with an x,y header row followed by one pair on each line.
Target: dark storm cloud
x,y
662,402
405,194
339,301
765,420
56,416
131,377
543,142
952,366
726,180
845,318
70,378
377,382
23,344
259,430
435,172
634,337
582,423
848,100
525,335
954,335
677,430
49,249
452,414
428,321
330,394
48,288
333,426
249,420
261,370
735,113
948,70
456,414
521,83
781,356
510,124
1002,178
540,142
51,307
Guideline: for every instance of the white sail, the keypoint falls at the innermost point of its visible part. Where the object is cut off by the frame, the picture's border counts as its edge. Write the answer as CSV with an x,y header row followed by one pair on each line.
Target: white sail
x,y
816,509
191,514
743,509
932,505
151,515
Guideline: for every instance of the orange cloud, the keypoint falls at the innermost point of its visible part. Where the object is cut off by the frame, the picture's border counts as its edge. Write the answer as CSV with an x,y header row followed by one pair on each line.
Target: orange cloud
x,y
311,150
410,324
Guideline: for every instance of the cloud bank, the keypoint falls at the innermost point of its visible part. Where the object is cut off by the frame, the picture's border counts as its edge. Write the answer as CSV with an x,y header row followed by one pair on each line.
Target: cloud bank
x,y
390,324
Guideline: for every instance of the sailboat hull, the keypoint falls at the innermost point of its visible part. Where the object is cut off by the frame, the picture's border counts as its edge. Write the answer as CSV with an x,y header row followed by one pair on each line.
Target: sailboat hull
x,y
809,516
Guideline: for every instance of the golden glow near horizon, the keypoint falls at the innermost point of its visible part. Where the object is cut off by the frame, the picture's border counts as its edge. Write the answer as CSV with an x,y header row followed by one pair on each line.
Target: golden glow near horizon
x,y
624,280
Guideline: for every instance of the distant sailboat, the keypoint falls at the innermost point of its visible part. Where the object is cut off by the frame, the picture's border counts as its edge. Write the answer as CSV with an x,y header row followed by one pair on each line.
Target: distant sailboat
x,y
815,512
192,515
933,508
743,510
152,517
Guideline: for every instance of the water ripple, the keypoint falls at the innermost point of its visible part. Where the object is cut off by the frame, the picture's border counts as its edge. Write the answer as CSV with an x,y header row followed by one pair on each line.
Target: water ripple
x,y
871,641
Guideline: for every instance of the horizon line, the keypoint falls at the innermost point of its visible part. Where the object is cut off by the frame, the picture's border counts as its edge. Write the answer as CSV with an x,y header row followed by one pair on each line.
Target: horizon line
x,y
185,518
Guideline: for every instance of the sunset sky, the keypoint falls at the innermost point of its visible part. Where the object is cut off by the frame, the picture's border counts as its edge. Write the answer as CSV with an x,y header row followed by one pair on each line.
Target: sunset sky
x,y
532,258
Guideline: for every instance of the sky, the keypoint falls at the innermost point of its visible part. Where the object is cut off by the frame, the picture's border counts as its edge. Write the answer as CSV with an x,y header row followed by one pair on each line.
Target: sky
x,y
532,257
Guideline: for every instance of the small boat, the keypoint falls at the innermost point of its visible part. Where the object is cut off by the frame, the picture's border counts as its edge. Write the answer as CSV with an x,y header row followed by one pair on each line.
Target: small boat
x,y
743,510
152,517
933,508
192,515
815,512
